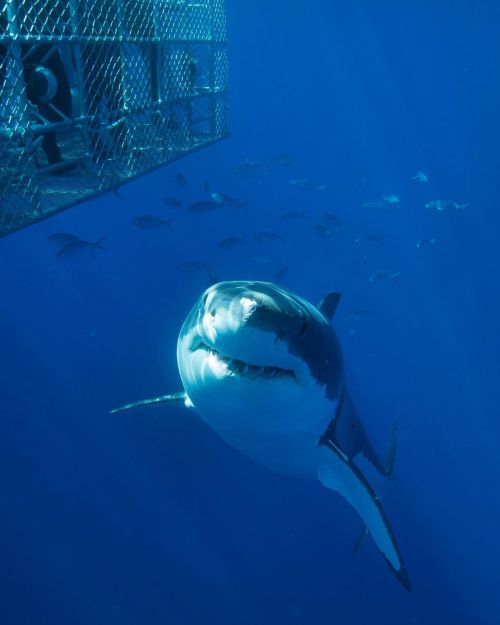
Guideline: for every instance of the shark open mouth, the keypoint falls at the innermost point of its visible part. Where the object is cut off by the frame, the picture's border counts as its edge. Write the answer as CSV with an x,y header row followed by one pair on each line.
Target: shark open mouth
x,y
245,369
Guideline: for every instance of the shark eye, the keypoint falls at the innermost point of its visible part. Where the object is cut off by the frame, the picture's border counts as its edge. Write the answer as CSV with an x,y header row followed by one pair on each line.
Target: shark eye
x,y
213,312
303,329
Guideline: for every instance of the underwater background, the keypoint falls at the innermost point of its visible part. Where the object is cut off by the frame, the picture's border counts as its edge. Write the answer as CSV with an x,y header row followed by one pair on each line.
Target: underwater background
x,y
148,516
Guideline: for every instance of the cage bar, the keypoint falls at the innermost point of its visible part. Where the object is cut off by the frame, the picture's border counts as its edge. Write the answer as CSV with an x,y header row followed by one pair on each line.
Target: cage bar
x,y
94,93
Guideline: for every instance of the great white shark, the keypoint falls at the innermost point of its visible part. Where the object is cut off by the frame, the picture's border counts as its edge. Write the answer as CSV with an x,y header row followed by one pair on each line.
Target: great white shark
x,y
264,368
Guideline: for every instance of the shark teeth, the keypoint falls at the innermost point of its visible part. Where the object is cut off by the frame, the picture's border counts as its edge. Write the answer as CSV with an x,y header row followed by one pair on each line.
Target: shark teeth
x,y
245,369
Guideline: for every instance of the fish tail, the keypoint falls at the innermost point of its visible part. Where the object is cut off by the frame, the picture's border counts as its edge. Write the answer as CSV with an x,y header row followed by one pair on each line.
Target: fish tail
x,y
98,244
212,278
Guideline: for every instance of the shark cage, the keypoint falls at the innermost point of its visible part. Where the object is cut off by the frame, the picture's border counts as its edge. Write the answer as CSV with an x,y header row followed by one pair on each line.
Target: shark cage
x,y
94,93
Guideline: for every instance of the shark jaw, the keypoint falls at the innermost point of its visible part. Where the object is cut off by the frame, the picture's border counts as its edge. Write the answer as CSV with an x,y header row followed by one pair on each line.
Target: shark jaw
x,y
236,367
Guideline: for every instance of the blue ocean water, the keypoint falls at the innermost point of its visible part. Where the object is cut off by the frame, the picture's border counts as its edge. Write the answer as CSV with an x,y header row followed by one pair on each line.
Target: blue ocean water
x,y
149,517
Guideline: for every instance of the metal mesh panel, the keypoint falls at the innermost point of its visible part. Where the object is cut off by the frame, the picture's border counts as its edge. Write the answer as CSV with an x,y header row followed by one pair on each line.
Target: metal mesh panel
x,y
96,92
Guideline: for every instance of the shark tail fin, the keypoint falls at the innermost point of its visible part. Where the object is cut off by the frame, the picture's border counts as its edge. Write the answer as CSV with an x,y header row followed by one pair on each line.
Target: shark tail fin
x,y
162,399
339,473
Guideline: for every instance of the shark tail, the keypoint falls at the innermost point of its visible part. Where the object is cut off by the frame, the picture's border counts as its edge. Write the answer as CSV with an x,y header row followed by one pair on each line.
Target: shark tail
x,y
338,472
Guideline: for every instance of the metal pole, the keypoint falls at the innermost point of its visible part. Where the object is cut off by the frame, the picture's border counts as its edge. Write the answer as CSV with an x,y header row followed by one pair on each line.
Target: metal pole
x,y
26,161
80,84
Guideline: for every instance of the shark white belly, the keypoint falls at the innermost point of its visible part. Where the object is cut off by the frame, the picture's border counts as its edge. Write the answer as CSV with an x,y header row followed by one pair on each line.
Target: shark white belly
x,y
263,367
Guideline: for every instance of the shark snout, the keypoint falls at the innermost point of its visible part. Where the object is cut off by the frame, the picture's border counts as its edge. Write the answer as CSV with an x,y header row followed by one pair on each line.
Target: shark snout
x,y
225,316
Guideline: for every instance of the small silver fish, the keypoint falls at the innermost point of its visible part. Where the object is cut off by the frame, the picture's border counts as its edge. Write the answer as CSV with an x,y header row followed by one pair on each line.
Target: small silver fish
x,y
441,205
281,273
197,266
375,204
181,180
150,222
358,315
383,274
75,247
323,231
230,243
307,185
284,159
191,266
371,237
62,237
292,216
248,168
268,237
420,177
226,200
262,260
387,201
172,202
426,242
390,198
203,206
330,219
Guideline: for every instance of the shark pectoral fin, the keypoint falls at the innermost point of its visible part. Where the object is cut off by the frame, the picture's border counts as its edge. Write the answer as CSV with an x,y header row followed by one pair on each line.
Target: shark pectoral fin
x,y
162,399
338,472
347,432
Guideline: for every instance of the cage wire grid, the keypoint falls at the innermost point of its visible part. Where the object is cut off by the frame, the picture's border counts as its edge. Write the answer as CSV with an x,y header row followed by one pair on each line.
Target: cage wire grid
x,y
94,93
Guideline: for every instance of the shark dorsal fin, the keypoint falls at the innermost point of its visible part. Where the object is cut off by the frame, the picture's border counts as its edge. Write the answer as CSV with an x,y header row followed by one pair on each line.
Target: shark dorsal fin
x,y
329,303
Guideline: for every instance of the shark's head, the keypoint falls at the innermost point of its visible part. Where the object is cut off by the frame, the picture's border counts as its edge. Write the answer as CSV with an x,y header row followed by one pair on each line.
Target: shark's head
x,y
249,350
